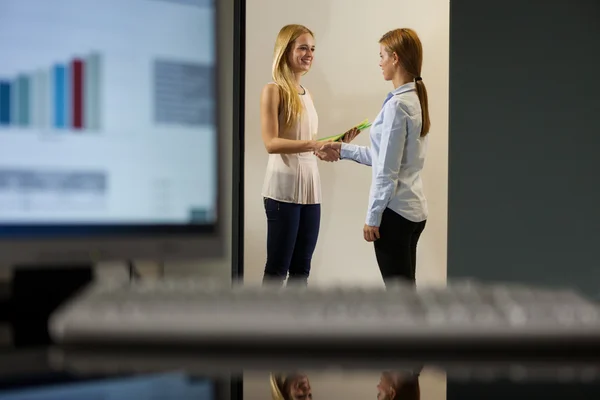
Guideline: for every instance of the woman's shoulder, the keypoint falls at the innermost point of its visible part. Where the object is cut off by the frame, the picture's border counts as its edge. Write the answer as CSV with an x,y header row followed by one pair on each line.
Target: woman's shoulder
x,y
271,91
404,103
272,86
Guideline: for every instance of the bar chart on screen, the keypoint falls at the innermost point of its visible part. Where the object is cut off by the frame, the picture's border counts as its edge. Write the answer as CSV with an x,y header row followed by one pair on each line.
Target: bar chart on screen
x,y
64,96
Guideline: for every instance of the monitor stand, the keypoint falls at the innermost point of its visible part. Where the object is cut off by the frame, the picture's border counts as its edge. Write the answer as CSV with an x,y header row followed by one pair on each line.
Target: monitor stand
x,y
36,292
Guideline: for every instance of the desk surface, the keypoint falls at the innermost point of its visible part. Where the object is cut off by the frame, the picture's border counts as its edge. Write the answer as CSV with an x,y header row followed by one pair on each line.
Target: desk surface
x,y
357,378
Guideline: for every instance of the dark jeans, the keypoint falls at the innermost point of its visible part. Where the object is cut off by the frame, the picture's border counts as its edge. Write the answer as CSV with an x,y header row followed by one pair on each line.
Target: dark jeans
x,y
292,232
396,249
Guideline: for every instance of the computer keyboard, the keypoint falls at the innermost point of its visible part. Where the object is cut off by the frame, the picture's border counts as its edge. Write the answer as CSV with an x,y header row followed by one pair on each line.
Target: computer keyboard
x,y
163,312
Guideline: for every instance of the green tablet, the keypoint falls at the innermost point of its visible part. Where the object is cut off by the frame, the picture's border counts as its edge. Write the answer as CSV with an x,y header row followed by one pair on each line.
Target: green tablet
x,y
336,138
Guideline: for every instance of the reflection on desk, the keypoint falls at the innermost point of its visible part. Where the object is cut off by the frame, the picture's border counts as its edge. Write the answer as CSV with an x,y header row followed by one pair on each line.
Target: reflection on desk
x,y
288,378
392,385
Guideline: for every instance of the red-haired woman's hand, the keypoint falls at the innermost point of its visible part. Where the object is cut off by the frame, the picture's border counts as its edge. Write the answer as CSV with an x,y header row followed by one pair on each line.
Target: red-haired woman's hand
x,y
350,135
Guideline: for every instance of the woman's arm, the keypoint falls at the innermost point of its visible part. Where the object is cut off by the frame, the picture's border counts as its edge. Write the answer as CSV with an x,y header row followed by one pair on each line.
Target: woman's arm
x,y
360,154
269,117
389,161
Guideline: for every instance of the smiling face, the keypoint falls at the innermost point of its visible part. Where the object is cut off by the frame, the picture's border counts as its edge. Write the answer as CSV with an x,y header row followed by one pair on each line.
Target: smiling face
x,y
300,56
386,63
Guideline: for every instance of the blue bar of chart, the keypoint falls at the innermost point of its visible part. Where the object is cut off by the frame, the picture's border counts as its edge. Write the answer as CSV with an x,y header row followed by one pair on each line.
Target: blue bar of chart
x,y
5,103
66,96
59,77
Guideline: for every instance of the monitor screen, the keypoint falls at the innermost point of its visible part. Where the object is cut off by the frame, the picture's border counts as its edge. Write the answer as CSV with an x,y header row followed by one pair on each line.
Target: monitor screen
x,y
108,118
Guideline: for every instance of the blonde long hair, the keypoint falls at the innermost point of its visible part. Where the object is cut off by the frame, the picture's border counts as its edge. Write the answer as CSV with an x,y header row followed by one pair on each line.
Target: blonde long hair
x,y
407,45
280,384
290,104
276,383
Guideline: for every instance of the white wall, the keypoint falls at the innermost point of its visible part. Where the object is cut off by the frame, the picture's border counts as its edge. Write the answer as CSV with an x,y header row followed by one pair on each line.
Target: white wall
x,y
347,86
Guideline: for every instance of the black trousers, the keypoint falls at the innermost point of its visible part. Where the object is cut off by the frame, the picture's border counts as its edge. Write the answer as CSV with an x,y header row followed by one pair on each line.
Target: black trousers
x,y
292,233
396,249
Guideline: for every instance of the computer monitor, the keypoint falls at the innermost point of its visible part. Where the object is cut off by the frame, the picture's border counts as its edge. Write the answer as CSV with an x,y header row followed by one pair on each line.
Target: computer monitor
x,y
109,139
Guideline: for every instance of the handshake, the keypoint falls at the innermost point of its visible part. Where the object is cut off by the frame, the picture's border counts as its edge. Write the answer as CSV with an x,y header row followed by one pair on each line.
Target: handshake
x,y
329,150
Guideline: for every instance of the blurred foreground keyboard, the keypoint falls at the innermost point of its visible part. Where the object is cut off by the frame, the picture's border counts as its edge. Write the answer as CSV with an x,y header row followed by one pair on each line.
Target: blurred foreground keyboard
x,y
188,313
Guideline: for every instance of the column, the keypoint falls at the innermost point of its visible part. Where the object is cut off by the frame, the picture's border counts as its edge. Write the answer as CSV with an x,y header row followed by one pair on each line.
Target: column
x,y
59,78
91,92
68,96
14,101
77,93
5,105
33,106
24,102
41,99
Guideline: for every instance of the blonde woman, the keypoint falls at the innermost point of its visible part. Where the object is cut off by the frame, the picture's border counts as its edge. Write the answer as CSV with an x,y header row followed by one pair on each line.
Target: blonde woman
x,y
292,185
397,211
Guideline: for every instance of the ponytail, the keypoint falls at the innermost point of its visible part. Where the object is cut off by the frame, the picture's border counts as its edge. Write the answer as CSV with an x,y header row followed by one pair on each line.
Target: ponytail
x,y
422,93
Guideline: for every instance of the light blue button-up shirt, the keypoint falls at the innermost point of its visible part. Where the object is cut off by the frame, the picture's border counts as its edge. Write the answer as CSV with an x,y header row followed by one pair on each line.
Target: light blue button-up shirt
x,y
397,156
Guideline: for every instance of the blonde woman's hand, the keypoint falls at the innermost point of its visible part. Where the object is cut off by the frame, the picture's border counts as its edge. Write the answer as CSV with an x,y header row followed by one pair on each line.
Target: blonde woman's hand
x,y
328,154
337,146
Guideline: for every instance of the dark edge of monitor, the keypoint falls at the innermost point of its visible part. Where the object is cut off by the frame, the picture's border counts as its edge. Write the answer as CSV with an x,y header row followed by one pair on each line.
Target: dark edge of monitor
x,y
449,193
218,230
239,90
239,82
73,231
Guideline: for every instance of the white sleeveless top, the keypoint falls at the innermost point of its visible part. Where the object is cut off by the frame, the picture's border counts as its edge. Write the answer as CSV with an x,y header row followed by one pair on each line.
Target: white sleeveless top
x,y
294,178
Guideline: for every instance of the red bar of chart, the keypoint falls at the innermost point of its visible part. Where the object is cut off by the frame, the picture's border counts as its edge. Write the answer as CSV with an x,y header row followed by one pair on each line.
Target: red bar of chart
x,y
77,94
